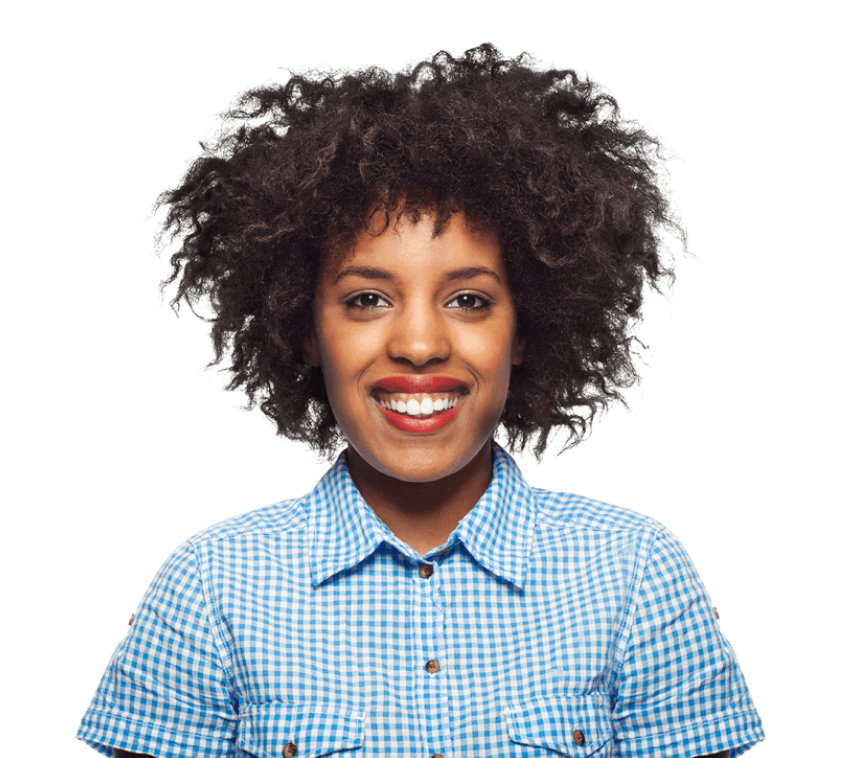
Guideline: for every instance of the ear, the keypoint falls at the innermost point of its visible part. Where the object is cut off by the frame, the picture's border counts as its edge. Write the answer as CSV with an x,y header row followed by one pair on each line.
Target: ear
x,y
311,349
519,351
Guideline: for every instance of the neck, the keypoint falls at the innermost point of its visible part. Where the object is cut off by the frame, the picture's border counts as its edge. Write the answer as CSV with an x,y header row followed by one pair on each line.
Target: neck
x,y
423,514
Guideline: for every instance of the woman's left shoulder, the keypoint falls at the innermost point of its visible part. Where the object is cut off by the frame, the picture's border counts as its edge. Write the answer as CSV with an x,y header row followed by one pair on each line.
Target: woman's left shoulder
x,y
568,509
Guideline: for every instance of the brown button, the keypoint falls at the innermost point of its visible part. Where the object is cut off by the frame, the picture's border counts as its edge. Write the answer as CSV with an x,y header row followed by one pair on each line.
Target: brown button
x,y
290,749
437,755
425,570
578,737
716,613
432,667
132,619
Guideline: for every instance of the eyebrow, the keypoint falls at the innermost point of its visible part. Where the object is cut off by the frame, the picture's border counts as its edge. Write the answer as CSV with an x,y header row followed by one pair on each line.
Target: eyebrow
x,y
366,272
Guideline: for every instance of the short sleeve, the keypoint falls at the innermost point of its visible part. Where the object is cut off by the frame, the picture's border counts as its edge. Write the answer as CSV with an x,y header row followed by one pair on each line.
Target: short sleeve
x,y
680,691
165,691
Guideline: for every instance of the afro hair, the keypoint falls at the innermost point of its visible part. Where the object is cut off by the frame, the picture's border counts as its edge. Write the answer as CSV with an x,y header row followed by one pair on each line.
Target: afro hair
x,y
540,157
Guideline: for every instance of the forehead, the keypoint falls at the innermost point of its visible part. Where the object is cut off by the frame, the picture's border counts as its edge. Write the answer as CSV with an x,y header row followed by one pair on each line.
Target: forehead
x,y
401,241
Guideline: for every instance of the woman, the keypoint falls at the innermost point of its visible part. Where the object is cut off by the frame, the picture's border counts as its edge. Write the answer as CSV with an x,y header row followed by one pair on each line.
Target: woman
x,y
403,263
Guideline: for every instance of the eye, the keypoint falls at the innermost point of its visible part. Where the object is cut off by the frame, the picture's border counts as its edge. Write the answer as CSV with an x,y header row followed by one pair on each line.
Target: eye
x,y
366,301
353,301
469,301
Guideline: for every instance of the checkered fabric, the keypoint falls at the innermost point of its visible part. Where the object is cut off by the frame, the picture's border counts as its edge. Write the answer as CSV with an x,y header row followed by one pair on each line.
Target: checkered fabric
x,y
548,624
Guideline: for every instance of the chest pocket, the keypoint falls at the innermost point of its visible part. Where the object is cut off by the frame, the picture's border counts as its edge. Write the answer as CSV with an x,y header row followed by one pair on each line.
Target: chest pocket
x,y
282,731
576,726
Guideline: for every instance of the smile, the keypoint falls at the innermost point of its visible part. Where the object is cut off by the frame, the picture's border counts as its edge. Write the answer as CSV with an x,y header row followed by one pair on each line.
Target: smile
x,y
423,413
419,407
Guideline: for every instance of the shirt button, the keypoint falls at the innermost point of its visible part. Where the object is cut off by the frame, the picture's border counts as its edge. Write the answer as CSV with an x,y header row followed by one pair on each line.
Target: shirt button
x,y
578,737
437,755
425,570
432,667
290,749
716,613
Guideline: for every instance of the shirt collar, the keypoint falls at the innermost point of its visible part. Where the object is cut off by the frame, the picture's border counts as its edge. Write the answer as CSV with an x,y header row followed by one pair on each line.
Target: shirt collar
x,y
497,532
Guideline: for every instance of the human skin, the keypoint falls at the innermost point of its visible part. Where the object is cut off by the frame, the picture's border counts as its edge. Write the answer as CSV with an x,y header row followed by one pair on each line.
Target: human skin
x,y
406,304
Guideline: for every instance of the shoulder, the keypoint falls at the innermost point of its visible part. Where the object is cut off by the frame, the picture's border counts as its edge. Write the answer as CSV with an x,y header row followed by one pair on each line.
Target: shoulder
x,y
567,521
565,510
216,557
235,539
284,517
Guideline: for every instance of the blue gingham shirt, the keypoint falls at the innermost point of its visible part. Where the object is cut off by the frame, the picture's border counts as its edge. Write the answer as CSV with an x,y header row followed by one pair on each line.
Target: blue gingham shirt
x,y
548,624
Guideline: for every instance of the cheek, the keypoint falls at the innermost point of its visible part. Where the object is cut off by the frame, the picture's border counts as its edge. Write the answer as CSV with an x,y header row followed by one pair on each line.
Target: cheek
x,y
361,345
491,354
347,355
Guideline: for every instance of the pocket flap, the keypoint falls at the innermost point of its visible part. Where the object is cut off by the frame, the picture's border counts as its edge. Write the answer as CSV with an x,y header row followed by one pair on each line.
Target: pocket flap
x,y
313,730
576,725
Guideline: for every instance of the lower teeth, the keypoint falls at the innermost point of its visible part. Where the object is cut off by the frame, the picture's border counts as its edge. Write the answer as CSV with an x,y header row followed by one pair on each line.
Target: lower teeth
x,y
418,415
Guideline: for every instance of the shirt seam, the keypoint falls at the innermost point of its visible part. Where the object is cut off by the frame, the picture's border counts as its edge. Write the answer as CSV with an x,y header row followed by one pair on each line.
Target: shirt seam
x,y
222,651
689,727
153,724
624,633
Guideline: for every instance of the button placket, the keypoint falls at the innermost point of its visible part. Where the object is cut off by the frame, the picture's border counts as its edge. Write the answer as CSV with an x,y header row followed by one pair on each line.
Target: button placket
x,y
432,705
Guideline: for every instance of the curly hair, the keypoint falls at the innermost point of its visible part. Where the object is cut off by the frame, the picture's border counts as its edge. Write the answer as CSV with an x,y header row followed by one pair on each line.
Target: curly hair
x,y
542,158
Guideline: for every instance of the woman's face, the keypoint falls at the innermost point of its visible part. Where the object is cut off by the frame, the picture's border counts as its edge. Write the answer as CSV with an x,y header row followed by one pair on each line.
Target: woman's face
x,y
416,338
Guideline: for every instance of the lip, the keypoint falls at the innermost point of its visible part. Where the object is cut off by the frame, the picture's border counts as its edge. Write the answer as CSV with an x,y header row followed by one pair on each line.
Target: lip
x,y
418,383
410,424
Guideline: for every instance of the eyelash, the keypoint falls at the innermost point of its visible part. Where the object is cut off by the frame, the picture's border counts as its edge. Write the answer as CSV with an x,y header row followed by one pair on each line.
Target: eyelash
x,y
355,301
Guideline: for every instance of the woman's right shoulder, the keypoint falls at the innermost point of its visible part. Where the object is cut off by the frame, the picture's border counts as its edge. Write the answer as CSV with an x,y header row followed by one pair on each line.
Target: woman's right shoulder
x,y
289,516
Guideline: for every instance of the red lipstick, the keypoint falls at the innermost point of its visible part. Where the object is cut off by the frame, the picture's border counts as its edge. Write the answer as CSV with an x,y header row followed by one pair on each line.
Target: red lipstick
x,y
417,383
410,424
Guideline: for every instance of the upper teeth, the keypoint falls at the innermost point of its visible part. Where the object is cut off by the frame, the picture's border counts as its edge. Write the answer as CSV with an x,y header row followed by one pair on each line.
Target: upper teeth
x,y
420,408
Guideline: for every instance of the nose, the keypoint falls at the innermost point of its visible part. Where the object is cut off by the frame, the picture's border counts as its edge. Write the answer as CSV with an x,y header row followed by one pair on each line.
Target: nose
x,y
419,335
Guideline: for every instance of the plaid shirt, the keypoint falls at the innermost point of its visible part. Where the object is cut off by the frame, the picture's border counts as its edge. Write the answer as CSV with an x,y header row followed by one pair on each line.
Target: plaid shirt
x,y
548,624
